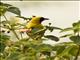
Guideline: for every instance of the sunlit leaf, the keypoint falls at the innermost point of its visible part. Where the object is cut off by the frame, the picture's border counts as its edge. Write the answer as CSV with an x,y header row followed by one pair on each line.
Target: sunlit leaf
x,y
65,53
65,49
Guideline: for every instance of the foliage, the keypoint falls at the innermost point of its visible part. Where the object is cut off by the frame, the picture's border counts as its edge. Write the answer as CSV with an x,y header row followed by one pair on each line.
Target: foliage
x,y
7,7
75,38
32,47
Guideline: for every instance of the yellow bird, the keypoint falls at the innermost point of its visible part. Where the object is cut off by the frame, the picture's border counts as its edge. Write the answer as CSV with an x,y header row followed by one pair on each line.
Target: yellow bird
x,y
35,22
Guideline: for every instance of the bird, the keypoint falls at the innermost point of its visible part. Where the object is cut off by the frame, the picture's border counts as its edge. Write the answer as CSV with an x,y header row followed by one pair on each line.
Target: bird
x,y
34,23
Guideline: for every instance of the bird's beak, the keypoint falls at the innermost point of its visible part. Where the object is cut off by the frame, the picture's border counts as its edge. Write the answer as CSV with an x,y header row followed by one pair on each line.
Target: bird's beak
x,y
46,18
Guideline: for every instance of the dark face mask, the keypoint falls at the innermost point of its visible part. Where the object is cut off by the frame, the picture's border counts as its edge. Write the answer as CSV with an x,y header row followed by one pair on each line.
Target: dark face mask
x,y
42,19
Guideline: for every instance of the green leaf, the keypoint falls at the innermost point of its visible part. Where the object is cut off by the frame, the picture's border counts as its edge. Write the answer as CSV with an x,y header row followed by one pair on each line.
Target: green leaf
x,y
4,37
65,49
65,53
44,47
67,29
75,39
2,47
60,49
74,50
3,10
52,37
76,26
7,7
13,56
14,10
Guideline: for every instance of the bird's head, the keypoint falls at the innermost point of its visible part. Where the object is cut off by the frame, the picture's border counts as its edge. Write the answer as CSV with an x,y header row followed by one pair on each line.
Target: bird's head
x,y
39,19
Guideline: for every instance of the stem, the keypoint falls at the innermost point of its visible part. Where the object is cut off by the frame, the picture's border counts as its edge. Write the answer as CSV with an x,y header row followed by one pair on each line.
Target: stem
x,y
5,18
15,34
78,33
11,28
76,57
21,36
